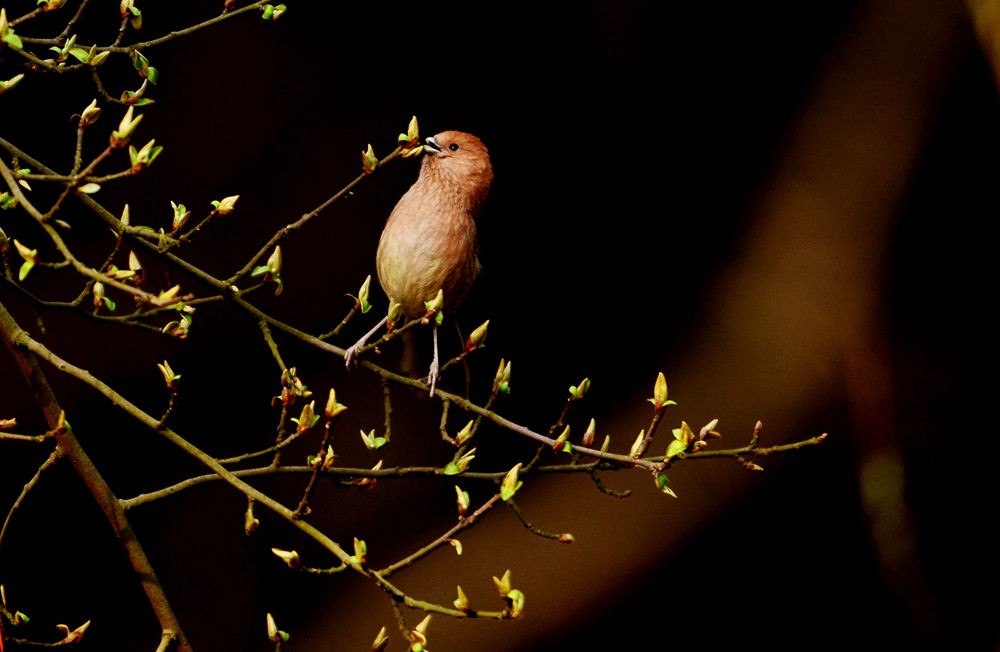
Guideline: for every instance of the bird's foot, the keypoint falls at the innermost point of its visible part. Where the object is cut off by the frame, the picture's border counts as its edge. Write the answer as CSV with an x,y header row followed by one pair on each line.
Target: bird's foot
x,y
433,375
351,353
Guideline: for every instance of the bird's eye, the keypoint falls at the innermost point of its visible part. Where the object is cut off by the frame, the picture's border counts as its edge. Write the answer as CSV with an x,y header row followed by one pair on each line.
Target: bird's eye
x,y
453,147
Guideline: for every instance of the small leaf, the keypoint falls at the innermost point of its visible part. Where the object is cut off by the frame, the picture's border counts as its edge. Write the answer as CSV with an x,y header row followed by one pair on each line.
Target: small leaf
x,y
676,447
372,442
13,40
663,484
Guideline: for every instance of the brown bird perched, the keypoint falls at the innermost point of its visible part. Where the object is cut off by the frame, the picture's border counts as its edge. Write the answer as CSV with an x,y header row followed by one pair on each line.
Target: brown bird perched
x,y
429,240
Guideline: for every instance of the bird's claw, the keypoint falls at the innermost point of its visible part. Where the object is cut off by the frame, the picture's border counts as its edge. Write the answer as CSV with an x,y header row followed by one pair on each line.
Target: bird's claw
x,y
433,374
350,354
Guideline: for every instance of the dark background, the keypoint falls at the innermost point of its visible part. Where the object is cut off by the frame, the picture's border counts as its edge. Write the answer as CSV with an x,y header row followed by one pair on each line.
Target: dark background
x,y
784,209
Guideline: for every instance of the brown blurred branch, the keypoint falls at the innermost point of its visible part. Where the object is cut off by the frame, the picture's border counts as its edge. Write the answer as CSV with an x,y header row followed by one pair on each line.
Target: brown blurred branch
x,y
986,20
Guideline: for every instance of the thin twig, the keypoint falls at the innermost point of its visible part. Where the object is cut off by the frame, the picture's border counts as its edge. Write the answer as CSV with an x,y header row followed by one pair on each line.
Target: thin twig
x,y
464,523
50,461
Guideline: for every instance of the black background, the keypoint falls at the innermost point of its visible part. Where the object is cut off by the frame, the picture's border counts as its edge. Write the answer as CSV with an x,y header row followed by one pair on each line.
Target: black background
x,y
634,144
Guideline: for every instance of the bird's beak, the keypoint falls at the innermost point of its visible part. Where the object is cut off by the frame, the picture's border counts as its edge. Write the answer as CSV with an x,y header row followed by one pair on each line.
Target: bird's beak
x,y
432,145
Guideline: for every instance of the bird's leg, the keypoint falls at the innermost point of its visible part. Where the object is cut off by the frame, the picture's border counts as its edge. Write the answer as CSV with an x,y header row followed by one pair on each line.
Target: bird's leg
x,y
357,346
435,371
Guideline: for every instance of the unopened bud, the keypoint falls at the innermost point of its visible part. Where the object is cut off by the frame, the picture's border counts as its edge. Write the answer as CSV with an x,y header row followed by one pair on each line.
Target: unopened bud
x,y
562,440
72,637
394,315
274,634
333,408
462,601
515,598
579,391
478,337
169,377
121,136
143,158
90,115
180,216
462,500
465,434
588,436
511,483
412,135
362,299
636,449
290,557
660,401
381,641
460,462
434,305
329,458
226,205
307,418
98,292
419,632
133,263
360,551
503,584
274,261
368,160
708,430
501,381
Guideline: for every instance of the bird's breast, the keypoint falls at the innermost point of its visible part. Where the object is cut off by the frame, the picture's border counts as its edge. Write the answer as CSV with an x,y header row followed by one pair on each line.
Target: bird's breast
x,y
428,244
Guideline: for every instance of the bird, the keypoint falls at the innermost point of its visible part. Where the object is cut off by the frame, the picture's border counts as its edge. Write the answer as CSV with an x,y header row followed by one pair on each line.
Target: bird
x,y
429,240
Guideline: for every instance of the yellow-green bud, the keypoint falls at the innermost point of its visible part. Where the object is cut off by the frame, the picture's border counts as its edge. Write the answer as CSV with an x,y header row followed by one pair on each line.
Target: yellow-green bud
x,y
333,408
579,391
462,601
90,115
465,434
381,641
226,205
290,557
368,160
121,136
511,483
169,377
560,441
462,500
636,449
503,584
478,337
588,436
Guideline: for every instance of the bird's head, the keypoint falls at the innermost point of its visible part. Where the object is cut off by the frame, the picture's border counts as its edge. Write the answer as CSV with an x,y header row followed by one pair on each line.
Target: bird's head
x,y
461,157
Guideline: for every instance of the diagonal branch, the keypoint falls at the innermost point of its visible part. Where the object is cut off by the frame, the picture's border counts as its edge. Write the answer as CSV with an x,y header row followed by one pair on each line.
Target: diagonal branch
x,y
14,337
